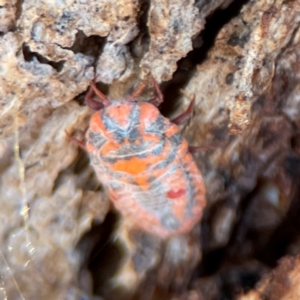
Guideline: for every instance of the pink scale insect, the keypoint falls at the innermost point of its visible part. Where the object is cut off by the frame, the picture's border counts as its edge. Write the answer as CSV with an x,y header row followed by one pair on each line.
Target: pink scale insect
x,y
143,162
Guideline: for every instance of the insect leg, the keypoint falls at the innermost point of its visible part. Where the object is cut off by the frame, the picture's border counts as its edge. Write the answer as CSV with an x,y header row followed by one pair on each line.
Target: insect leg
x,y
91,102
74,140
185,115
159,97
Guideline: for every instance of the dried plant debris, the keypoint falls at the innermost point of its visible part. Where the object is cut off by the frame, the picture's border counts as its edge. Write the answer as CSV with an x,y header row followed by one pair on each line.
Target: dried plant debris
x,y
58,231
241,64
281,283
171,25
50,29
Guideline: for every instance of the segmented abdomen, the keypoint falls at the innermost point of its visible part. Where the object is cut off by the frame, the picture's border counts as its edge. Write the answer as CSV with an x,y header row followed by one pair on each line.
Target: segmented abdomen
x,y
147,169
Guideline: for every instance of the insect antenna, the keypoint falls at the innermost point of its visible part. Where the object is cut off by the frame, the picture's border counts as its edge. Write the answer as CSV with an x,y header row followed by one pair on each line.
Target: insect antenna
x,y
136,92
159,98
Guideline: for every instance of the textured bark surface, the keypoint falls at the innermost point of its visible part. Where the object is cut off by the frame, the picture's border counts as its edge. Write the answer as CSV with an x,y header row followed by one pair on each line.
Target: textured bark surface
x,y
60,238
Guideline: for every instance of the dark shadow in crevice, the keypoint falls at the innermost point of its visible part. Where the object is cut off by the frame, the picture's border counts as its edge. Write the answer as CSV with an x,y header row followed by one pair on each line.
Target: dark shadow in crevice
x,y
211,262
91,46
287,232
140,45
30,55
88,45
214,23
228,259
101,255
203,43
248,244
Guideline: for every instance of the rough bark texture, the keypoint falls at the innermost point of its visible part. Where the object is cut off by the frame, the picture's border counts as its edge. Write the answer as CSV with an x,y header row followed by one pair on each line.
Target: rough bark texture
x,y
59,236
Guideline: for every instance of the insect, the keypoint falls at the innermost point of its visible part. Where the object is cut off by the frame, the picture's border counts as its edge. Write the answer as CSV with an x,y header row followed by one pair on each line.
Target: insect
x,y
144,163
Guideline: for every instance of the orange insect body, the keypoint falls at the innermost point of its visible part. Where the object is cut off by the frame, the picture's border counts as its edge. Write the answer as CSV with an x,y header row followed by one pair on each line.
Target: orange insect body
x,y
146,167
